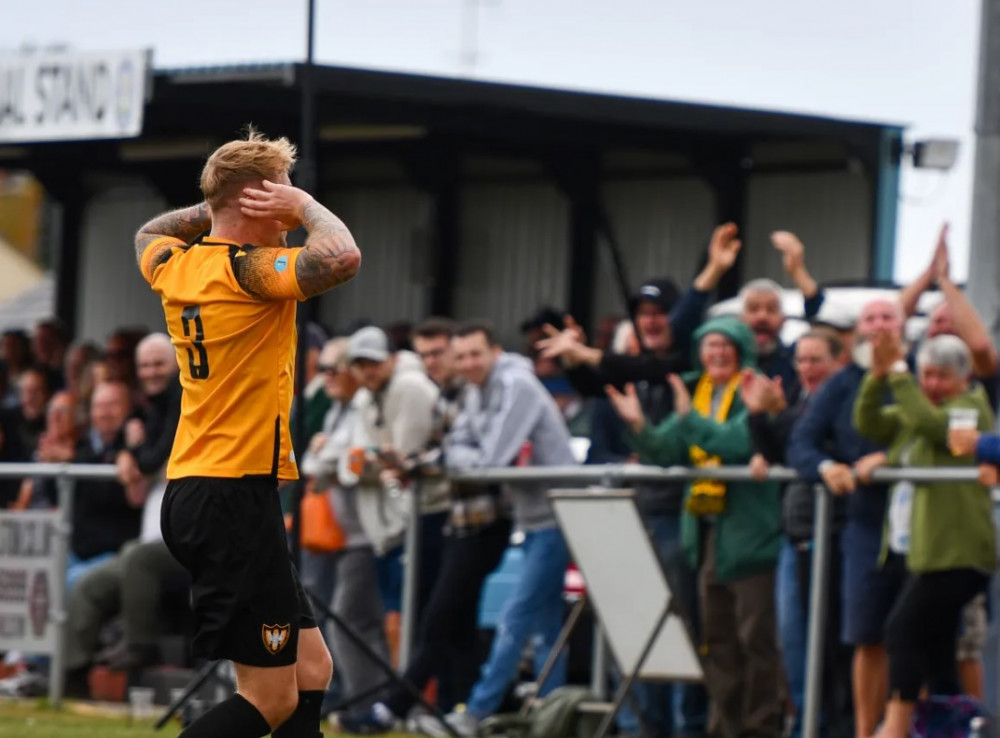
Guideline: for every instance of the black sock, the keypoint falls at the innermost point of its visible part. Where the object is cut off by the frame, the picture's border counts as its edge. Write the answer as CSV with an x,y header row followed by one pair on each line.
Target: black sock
x,y
304,722
234,718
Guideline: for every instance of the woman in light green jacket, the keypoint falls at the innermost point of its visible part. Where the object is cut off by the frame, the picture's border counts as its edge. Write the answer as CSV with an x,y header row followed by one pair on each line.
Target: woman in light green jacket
x,y
943,531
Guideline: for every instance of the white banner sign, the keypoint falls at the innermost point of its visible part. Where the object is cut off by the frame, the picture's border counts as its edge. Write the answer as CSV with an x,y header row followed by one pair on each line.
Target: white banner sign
x,y
29,577
66,96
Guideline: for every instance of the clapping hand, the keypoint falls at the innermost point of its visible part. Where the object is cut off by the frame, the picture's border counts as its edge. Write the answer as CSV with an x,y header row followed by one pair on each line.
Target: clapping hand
x,y
762,394
887,349
627,406
941,264
725,246
682,398
135,433
792,250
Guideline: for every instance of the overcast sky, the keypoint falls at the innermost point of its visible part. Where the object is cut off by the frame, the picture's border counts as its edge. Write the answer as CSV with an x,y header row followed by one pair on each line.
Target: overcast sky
x,y
906,61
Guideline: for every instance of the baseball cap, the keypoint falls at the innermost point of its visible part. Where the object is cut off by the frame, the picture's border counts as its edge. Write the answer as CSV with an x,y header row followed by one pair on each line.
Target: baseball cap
x,y
662,292
369,343
835,315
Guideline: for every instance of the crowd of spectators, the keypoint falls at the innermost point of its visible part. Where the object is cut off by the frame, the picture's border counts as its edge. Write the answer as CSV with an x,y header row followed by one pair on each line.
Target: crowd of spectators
x,y
390,411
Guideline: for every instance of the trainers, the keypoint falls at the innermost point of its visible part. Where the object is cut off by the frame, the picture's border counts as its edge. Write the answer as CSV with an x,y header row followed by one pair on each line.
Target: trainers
x,y
427,724
462,722
373,721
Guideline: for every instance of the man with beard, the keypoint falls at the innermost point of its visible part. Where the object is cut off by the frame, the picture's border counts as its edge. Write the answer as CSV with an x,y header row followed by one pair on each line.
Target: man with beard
x,y
826,447
762,311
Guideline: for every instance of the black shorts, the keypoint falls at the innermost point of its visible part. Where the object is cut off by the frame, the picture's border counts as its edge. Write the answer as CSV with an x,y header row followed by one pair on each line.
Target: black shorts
x,y
230,535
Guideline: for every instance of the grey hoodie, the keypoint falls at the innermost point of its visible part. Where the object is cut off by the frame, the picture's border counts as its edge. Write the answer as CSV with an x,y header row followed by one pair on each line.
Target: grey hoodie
x,y
401,415
493,425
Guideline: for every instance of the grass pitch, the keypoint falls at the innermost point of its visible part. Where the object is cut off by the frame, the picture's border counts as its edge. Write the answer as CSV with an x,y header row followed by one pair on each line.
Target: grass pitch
x,y
32,719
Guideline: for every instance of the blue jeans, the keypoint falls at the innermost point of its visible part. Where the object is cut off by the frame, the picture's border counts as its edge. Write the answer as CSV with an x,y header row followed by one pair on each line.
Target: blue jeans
x,y
792,628
667,708
535,608
389,571
77,567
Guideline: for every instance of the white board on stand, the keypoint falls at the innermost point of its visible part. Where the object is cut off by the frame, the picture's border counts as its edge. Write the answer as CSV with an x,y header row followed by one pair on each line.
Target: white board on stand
x,y
625,582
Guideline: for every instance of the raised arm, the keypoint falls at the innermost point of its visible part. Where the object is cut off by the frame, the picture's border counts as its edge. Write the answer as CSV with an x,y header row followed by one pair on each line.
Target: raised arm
x,y
185,224
970,328
330,256
910,295
793,260
723,249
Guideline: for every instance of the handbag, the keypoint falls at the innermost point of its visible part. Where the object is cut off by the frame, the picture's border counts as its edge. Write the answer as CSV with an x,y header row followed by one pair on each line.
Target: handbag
x,y
320,529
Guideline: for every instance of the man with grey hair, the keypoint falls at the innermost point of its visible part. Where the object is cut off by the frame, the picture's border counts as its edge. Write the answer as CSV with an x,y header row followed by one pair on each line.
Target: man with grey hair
x,y
763,312
133,582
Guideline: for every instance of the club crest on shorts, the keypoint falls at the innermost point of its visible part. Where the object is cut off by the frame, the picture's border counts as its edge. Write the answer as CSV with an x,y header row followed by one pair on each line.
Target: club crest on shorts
x,y
275,637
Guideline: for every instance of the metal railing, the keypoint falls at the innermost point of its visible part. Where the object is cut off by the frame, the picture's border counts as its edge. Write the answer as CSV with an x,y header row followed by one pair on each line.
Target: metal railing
x,y
603,476
65,476
617,475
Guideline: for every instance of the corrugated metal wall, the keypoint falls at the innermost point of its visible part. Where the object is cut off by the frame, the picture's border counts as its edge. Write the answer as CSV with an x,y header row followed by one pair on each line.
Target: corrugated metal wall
x,y
662,227
391,226
514,253
111,292
830,212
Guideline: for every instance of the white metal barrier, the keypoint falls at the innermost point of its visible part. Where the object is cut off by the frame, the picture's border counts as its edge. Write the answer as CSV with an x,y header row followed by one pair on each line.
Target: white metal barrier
x,y
34,554
625,474
37,543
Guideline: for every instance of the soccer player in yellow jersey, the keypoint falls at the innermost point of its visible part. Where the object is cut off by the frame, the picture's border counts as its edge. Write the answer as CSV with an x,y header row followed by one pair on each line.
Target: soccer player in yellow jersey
x,y
229,299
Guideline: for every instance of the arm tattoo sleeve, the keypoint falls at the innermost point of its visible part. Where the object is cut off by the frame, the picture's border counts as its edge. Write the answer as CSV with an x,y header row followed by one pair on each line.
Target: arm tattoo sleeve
x,y
184,224
330,256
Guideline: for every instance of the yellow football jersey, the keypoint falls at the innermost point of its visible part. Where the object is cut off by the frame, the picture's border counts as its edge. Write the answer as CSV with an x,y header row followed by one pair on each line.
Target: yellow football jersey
x,y
230,312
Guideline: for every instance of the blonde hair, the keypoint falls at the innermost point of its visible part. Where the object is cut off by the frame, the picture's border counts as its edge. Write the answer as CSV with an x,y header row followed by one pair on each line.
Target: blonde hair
x,y
335,353
233,165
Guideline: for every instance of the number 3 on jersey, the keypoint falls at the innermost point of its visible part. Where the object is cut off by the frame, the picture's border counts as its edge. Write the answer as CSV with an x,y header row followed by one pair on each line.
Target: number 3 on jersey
x,y
192,314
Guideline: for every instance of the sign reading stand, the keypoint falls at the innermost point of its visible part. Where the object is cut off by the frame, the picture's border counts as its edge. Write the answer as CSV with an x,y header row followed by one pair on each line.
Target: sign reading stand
x,y
72,96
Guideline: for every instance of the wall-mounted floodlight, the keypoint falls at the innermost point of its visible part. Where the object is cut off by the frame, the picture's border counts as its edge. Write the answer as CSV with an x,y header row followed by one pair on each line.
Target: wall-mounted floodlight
x,y
934,153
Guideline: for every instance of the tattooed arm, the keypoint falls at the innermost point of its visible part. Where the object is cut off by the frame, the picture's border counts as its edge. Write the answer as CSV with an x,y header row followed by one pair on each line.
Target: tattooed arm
x,y
330,256
184,224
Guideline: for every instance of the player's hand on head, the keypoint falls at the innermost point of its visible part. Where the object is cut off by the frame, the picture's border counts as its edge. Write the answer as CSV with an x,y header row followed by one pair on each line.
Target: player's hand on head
x,y
274,201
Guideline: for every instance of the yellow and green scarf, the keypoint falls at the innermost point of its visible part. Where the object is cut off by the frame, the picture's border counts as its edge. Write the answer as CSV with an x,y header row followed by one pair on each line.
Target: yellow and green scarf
x,y
708,497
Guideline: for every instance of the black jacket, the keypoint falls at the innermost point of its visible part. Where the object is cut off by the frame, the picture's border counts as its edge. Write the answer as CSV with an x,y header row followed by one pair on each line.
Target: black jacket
x,y
20,441
102,518
161,421
771,435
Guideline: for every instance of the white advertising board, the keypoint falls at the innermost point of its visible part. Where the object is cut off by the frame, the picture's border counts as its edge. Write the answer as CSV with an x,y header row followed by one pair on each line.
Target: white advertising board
x,y
626,583
69,96
29,577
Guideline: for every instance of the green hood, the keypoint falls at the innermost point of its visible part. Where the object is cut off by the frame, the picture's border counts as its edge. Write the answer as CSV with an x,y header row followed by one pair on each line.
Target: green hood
x,y
736,331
